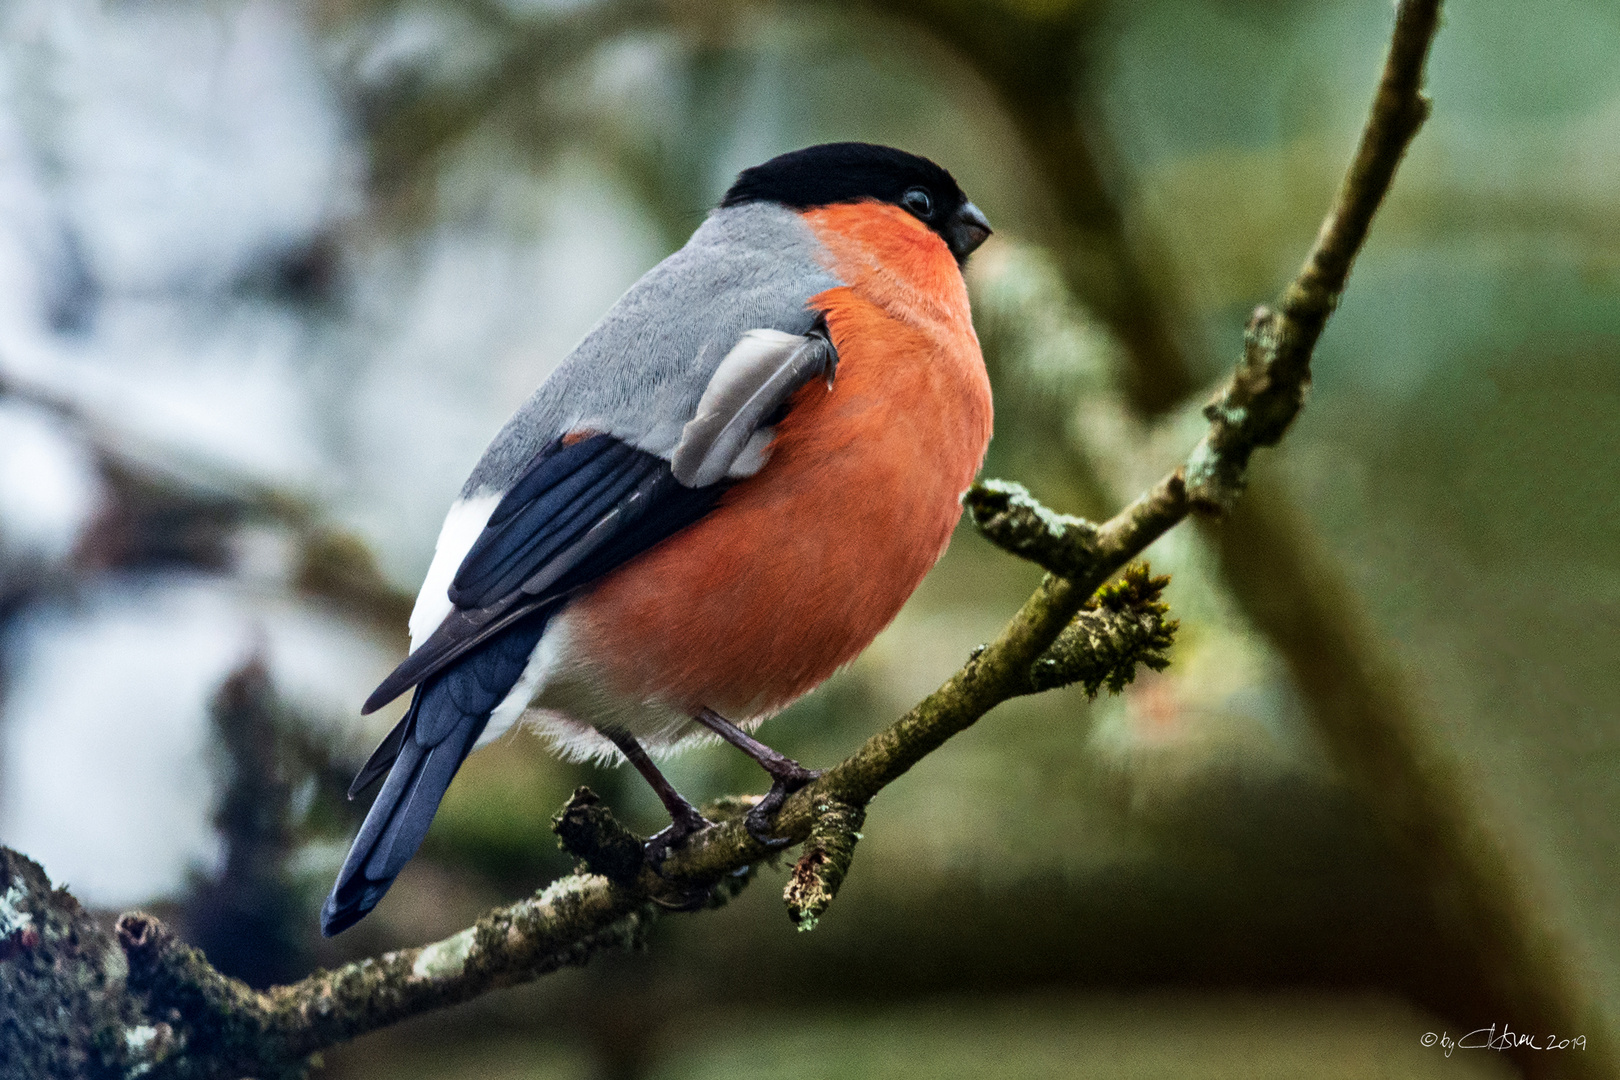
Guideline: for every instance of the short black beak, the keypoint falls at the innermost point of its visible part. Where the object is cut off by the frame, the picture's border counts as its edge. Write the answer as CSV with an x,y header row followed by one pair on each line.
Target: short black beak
x,y
966,231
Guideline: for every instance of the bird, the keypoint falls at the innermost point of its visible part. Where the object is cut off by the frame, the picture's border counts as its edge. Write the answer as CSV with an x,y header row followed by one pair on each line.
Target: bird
x,y
714,502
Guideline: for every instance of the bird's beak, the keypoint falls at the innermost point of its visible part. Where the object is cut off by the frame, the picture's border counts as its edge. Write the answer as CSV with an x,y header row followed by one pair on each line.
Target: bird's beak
x,y
966,231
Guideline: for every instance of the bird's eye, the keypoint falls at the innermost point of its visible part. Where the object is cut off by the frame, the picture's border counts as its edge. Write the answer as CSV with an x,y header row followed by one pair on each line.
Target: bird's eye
x,y
919,202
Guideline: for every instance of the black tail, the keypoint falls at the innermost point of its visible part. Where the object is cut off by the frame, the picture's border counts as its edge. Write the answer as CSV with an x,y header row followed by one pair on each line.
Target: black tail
x,y
446,717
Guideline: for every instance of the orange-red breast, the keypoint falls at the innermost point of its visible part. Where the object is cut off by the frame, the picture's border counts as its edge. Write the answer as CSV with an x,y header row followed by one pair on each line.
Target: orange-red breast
x,y
716,500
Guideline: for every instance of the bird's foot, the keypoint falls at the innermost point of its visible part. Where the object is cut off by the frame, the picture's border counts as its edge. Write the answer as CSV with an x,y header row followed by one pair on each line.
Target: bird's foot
x,y
786,778
658,849
684,818
683,825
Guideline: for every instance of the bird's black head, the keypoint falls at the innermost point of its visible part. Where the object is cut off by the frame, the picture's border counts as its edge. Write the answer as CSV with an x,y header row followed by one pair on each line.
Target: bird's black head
x,y
850,172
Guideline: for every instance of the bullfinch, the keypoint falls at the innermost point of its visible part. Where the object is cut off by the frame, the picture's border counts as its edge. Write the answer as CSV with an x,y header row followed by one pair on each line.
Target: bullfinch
x,y
714,502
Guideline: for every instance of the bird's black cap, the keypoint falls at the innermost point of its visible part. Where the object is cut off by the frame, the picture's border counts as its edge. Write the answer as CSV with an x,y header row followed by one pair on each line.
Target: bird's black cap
x,y
851,172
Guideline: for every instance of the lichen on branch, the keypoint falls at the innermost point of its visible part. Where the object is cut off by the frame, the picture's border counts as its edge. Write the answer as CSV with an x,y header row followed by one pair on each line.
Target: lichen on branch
x,y
1007,515
1121,628
61,977
822,866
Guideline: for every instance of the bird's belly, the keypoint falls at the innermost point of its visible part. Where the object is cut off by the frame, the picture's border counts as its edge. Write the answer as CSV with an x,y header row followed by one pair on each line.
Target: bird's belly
x,y
565,697
800,566
748,614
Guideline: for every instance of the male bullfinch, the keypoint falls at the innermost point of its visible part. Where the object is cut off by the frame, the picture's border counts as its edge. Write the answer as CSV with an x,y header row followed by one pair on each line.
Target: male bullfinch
x,y
715,501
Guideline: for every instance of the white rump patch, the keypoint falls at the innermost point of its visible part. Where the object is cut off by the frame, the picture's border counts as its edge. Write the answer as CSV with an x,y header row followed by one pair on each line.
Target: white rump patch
x,y
462,526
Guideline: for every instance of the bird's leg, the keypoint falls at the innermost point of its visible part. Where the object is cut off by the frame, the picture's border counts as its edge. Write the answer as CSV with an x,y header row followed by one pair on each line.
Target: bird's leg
x,y
787,775
684,818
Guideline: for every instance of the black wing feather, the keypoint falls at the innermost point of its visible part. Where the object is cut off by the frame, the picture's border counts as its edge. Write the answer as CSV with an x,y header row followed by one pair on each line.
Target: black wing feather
x,y
554,463
578,512
560,492
540,532
448,713
382,758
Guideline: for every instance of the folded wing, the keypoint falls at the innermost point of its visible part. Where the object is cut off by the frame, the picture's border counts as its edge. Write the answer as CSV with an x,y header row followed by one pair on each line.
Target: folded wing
x,y
584,507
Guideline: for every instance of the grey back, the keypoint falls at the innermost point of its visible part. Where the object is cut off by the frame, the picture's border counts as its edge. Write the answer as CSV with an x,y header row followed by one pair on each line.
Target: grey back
x,y
640,374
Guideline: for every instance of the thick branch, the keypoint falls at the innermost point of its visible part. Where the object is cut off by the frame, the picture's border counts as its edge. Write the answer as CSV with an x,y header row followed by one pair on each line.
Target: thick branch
x,y
62,1012
230,1028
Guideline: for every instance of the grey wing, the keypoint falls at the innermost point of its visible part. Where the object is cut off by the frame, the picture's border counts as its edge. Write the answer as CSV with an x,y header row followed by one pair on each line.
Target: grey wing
x,y
642,372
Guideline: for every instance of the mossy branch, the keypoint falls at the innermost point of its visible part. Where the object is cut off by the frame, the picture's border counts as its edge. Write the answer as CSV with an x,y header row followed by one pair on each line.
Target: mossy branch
x,y
1007,515
587,829
180,1018
1123,627
821,868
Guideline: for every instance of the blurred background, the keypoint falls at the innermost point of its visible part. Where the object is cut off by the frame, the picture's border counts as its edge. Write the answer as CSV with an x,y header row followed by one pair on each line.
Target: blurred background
x,y
273,272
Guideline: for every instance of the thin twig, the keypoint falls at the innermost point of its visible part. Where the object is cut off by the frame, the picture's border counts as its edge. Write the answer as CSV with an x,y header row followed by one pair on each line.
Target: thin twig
x,y
1268,388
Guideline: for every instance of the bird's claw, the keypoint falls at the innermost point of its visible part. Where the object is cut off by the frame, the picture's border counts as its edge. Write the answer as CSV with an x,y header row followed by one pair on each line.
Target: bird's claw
x,y
672,836
758,820
691,899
